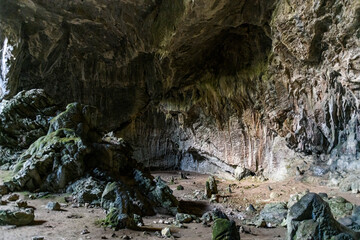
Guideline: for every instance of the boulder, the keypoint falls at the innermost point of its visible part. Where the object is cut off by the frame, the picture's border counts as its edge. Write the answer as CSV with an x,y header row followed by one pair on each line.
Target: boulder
x,y
210,187
273,213
242,172
16,216
213,215
311,218
224,229
87,190
53,206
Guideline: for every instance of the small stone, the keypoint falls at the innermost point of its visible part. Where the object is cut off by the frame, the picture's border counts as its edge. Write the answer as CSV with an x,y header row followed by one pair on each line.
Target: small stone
x,y
251,208
229,189
179,187
172,180
113,235
85,231
87,205
21,203
38,238
270,189
261,223
214,198
13,197
125,237
183,218
9,227
165,232
54,206
183,176
161,221
31,196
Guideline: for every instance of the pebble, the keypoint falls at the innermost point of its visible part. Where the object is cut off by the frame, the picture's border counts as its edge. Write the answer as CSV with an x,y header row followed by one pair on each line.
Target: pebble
x,y
85,231
13,197
126,237
38,238
165,232
250,208
21,203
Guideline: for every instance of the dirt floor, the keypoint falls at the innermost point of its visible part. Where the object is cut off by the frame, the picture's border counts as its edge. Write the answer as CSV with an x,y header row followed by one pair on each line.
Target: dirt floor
x,y
70,222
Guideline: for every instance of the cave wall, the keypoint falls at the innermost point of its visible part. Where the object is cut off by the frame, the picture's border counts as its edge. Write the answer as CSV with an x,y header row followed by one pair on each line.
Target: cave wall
x,y
201,85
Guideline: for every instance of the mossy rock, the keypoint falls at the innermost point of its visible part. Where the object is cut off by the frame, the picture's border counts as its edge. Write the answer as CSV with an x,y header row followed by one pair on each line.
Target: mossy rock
x,y
118,220
224,229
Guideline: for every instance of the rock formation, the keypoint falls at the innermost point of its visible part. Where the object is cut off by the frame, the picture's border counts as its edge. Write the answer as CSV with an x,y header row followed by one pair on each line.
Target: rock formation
x,y
200,85
234,88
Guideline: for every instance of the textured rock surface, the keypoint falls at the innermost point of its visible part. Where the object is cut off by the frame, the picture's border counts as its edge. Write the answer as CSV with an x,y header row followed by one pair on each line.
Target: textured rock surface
x,y
23,119
311,218
201,85
273,213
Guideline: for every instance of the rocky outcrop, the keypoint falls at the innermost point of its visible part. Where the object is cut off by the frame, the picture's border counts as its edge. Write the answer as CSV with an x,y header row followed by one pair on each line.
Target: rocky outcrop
x,y
201,85
23,119
74,155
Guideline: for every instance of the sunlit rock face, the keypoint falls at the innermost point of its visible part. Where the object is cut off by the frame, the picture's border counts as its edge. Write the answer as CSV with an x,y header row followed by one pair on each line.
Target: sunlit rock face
x,y
201,85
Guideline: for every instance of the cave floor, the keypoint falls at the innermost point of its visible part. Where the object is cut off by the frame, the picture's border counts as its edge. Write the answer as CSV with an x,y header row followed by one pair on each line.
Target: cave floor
x,y
70,222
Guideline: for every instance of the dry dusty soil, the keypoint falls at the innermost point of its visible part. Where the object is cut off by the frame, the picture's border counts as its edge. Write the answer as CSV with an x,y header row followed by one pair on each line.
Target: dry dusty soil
x,y
70,222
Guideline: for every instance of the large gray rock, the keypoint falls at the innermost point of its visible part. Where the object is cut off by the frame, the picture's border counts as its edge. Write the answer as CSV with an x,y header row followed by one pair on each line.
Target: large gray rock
x,y
87,190
144,196
311,218
273,213
242,172
16,216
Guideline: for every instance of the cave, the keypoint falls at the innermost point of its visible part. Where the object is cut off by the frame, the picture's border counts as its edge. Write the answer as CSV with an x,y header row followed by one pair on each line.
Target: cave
x,y
190,119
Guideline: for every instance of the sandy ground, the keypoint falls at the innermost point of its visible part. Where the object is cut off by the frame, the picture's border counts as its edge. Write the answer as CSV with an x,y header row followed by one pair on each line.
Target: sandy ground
x,y
70,222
